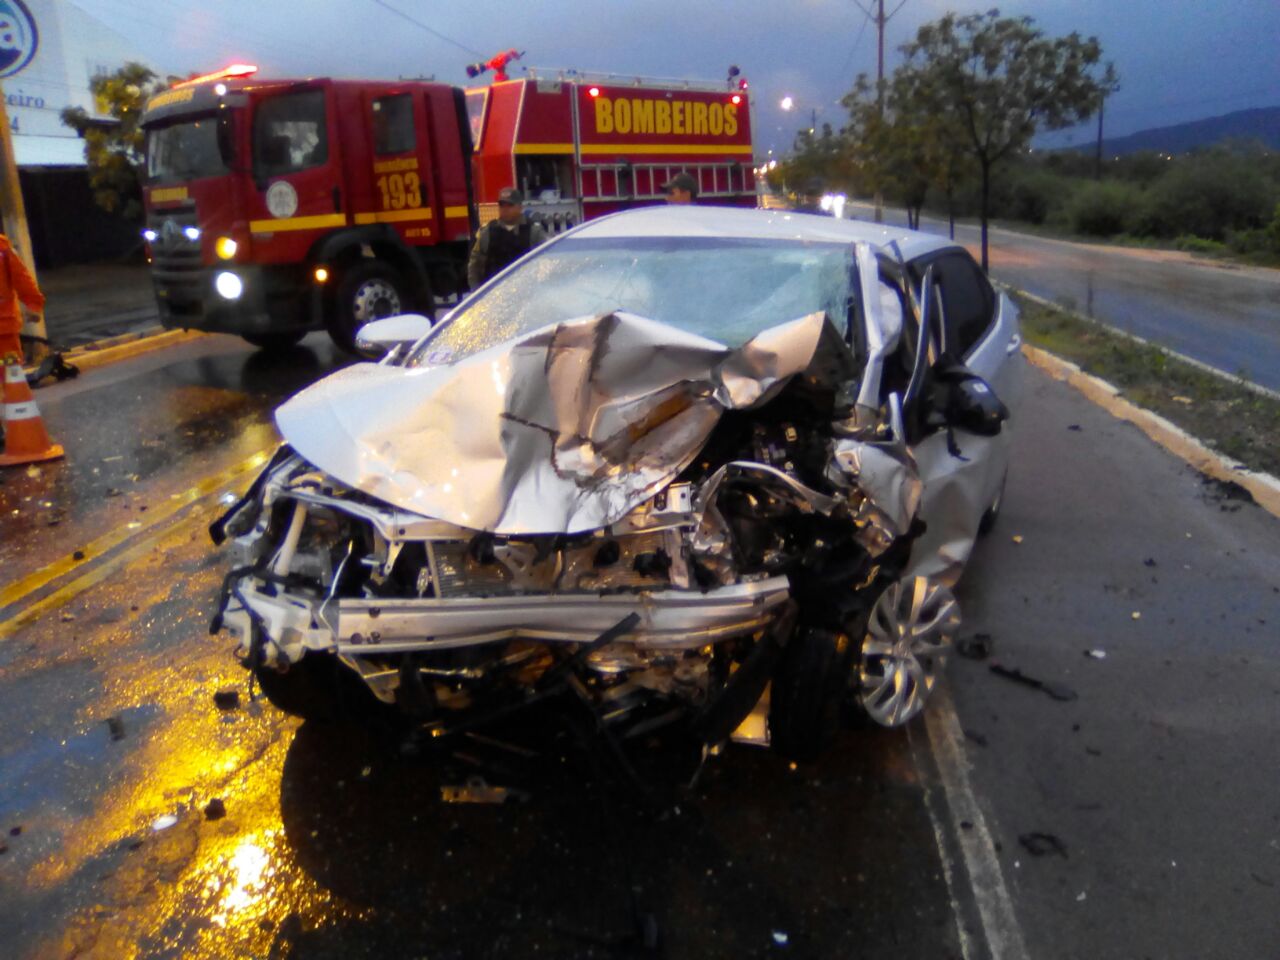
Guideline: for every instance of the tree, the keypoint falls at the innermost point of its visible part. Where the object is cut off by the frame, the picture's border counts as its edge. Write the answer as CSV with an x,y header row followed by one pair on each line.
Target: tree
x,y
817,157
1001,80
114,150
902,149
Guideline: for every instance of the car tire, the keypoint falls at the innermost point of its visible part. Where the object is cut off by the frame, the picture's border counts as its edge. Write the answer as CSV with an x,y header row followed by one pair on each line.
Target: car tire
x,y
316,688
807,689
368,290
274,342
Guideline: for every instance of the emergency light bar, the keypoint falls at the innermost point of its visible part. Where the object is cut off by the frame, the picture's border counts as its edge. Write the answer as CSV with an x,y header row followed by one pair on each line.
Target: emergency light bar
x,y
234,70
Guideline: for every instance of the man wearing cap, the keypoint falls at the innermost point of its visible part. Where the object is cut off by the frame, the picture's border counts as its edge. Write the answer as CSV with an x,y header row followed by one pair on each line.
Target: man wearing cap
x,y
681,188
504,240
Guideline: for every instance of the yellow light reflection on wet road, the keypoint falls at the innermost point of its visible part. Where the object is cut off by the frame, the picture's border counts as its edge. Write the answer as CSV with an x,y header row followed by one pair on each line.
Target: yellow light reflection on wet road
x,y
241,878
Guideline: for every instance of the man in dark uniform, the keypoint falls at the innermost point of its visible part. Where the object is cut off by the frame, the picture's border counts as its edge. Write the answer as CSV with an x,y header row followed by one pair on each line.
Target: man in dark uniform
x,y
504,240
681,189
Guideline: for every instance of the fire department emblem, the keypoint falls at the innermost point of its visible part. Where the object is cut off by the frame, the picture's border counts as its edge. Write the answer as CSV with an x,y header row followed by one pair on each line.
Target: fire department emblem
x,y
18,37
169,235
282,199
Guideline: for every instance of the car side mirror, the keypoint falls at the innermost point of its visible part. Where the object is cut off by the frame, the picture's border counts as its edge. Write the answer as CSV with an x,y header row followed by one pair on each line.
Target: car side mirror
x,y
382,336
973,406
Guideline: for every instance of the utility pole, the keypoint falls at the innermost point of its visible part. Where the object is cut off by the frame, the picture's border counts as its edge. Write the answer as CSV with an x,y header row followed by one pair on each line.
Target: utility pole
x,y
878,15
13,214
1097,157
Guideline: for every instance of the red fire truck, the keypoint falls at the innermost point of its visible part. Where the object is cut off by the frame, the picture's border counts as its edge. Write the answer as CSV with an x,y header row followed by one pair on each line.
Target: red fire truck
x,y
275,207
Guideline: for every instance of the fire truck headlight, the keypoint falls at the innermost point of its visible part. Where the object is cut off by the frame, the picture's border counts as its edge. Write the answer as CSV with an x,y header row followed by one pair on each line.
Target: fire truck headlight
x,y
228,285
225,248
321,274
149,236
191,233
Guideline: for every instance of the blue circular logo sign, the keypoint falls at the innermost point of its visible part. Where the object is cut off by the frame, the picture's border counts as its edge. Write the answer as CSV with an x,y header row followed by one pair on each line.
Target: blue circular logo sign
x,y
18,37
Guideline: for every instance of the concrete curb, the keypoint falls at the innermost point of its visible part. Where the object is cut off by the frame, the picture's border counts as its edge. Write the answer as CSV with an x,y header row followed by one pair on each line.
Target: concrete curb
x,y
104,352
1264,488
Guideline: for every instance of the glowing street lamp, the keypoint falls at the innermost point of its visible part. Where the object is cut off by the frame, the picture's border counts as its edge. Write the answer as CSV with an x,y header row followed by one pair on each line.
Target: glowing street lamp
x,y
787,103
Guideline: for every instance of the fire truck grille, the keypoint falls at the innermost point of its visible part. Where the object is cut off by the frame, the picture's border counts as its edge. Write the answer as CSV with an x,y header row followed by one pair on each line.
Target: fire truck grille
x,y
176,259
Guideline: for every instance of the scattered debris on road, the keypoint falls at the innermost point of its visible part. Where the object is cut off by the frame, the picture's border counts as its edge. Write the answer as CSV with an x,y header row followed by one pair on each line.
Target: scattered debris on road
x,y
163,822
227,699
477,790
215,809
1016,538
976,737
1096,654
976,647
115,726
1075,426
1043,844
1056,690
780,938
1136,615
1150,562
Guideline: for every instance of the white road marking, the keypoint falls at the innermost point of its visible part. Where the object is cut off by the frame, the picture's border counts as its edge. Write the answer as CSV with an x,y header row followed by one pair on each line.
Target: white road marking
x,y
995,906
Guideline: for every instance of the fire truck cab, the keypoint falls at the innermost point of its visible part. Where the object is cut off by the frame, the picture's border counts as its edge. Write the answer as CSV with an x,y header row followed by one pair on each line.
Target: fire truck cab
x,y
276,207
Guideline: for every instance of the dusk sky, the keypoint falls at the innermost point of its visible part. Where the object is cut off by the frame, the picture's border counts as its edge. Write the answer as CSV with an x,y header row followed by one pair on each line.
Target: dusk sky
x,y
1177,59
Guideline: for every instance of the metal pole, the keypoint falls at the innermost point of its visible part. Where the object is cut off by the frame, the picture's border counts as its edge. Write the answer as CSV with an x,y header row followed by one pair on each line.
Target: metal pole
x,y
1097,157
14,214
880,21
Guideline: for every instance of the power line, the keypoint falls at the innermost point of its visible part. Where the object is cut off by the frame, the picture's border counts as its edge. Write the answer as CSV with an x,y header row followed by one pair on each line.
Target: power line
x,y
854,49
431,30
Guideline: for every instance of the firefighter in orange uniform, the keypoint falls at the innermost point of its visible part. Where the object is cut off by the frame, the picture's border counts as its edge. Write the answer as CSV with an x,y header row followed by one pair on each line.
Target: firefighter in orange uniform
x,y
17,285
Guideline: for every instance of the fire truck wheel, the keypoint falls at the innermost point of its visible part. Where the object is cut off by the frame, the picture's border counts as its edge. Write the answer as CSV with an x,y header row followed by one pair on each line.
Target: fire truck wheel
x,y
274,342
370,290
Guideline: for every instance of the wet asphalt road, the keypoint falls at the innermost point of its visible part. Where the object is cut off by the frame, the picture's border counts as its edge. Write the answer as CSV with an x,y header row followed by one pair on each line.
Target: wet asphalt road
x,y
1157,783
1225,315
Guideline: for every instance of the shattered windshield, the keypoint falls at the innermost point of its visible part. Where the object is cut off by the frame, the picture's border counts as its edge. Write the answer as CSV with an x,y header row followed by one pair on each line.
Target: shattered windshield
x,y
727,290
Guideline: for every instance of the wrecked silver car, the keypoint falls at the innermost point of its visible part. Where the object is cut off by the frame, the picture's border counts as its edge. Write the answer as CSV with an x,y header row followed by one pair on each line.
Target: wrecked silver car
x,y
719,464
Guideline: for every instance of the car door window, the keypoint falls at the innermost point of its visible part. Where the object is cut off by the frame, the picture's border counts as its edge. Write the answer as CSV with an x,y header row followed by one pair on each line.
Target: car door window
x,y
967,299
290,134
393,124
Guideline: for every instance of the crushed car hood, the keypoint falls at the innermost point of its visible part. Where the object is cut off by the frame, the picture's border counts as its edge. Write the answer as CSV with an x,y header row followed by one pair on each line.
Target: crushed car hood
x,y
564,430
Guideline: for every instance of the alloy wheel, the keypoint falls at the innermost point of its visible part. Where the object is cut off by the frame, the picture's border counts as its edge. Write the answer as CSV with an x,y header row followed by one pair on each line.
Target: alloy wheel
x,y
911,629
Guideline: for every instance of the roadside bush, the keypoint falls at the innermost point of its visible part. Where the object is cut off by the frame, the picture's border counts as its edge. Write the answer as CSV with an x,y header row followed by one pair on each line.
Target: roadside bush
x,y
1103,209
1032,195
1194,244
1207,195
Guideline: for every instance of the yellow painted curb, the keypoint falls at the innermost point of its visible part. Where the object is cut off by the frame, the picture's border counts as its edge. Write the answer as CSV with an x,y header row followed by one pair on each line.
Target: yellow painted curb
x,y
89,359
1264,488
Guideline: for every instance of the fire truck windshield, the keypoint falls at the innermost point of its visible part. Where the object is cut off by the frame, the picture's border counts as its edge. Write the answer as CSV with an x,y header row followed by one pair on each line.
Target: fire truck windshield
x,y
289,134
185,150
725,289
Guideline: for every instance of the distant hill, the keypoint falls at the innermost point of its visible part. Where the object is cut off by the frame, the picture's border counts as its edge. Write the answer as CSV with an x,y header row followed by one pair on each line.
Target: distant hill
x,y
1261,124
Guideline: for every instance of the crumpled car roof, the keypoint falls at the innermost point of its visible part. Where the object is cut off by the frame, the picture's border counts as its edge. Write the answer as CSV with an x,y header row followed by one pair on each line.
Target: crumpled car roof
x,y
564,430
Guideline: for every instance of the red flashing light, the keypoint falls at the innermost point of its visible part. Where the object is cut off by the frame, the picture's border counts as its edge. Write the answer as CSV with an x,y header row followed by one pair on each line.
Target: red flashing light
x,y
593,92
735,99
742,84
234,70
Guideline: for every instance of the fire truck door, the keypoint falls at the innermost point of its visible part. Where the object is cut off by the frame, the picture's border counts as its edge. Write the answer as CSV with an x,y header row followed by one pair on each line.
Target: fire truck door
x,y
399,173
297,173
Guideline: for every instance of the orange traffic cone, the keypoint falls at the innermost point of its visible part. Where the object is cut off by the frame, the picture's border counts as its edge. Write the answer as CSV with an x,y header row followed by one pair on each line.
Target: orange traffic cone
x,y
25,438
